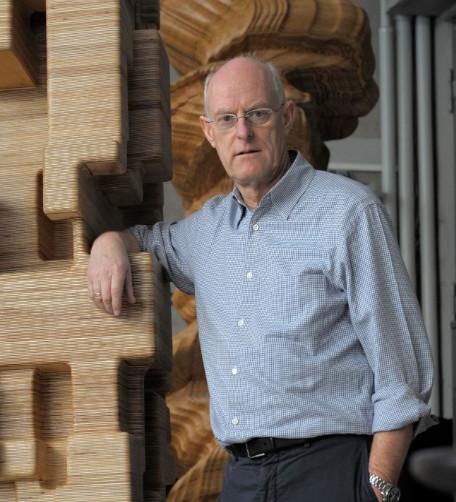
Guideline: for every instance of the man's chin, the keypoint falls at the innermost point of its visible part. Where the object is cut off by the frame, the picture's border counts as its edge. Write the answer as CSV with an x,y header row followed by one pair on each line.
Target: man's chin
x,y
249,180
248,167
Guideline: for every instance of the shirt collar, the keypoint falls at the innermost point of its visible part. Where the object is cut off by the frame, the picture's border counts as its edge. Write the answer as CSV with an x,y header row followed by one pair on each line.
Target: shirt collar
x,y
284,195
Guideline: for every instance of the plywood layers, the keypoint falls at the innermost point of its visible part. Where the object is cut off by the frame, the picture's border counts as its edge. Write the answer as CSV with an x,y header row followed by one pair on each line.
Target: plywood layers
x,y
82,409
335,30
147,14
321,46
90,46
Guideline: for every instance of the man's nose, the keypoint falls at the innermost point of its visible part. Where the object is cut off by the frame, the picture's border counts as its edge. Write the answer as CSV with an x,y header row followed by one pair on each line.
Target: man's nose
x,y
244,128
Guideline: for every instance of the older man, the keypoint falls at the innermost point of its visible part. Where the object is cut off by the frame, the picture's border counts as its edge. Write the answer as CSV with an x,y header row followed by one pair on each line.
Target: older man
x,y
315,353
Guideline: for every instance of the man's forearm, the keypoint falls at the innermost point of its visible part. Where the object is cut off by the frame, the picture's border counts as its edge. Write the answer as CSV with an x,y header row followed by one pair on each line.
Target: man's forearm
x,y
388,452
127,238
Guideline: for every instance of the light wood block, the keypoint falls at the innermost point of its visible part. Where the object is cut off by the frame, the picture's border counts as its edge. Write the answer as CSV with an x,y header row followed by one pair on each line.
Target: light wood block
x,y
73,399
89,45
18,58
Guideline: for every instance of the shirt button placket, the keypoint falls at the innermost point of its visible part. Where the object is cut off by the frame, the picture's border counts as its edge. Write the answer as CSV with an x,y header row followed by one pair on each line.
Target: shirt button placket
x,y
241,321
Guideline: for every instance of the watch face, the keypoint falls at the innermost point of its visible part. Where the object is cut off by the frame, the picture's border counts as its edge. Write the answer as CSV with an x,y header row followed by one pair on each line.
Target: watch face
x,y
394,495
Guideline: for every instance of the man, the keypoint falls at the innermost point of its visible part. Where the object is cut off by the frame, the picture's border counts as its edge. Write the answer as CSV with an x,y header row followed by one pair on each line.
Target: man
x,y
315,353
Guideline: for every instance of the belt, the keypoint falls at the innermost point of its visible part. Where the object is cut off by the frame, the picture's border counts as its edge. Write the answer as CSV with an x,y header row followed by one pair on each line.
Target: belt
x,y
259,447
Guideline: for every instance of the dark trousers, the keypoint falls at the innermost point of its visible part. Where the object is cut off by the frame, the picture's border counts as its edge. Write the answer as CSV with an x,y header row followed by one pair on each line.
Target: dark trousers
x,y
326,469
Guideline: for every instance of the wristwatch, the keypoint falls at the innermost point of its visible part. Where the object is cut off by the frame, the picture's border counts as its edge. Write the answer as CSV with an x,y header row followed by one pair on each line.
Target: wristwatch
x,y
390,493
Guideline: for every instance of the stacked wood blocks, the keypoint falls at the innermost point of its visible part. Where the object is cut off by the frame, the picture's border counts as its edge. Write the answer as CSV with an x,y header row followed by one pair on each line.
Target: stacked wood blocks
x,y
82,409
322,49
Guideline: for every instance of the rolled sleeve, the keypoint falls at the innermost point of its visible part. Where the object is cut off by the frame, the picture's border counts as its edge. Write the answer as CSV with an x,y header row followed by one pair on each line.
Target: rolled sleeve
x,y
386,317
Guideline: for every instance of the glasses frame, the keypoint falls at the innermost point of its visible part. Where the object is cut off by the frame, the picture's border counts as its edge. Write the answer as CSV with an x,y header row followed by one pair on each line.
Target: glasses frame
x,y
245,116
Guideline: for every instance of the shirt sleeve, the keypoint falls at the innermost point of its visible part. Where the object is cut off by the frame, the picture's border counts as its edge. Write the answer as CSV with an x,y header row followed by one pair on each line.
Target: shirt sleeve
x,y
172,244
387,319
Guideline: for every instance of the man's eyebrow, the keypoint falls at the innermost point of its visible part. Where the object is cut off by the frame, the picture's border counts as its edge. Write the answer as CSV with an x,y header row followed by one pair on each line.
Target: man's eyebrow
x,y
260,104
223,111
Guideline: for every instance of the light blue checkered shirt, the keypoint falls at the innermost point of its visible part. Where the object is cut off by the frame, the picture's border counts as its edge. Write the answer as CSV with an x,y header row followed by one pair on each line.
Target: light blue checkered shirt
x,y
307,319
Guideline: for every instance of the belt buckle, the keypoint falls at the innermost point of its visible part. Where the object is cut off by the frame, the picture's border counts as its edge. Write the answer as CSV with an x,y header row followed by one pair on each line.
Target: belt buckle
x,y
258,455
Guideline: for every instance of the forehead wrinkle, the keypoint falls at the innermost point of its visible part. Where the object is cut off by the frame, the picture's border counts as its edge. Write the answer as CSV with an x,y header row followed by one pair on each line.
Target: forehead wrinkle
x,y
256,84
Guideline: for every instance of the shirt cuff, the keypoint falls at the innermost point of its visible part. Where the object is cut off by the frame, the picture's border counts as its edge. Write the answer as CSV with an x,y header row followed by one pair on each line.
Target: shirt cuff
x,y
424,424
138,232
397,406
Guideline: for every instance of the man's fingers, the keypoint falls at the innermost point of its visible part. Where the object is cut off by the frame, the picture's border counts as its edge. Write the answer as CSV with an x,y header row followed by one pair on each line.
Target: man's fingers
x,y
95,295
107,277
106,295
94,289
95,292
129,288
117,286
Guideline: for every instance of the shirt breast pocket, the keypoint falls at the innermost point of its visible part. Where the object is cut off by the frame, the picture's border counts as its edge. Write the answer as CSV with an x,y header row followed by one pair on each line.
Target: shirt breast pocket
x,y
296,283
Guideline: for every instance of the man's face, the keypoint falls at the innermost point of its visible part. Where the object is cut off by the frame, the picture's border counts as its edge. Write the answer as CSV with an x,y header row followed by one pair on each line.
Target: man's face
x,y
253,156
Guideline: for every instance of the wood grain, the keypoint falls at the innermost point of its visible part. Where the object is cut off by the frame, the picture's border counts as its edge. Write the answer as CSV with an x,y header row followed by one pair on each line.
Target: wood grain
x,y
83,415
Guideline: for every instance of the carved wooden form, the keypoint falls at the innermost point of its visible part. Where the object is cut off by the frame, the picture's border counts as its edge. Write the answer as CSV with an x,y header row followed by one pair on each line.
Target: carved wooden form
x,y
84,134
322,49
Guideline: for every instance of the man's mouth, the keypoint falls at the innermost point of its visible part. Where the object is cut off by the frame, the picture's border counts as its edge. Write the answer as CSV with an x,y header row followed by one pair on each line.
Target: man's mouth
x,y
246,152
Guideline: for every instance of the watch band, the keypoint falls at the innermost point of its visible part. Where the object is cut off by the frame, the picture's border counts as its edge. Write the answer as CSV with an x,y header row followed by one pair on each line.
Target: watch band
x,y
389,492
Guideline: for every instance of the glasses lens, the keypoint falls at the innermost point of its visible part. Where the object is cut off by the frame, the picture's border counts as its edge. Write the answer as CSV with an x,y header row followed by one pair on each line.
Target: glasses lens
x,y
226,121
259,116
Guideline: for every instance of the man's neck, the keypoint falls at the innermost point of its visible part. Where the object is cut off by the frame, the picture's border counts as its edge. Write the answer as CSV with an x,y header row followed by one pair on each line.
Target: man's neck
x,y
252,197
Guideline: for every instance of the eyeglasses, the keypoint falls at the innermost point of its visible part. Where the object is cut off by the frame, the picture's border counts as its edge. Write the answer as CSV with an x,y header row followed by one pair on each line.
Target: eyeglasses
x,y
255,117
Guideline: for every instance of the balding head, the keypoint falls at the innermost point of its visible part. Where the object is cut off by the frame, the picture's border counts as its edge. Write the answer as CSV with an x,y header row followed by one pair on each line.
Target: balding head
x,y
240,65
252,147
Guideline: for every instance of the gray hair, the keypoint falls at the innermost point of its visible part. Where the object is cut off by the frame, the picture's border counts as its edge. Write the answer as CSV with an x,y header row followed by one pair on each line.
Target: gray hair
x,y
276,83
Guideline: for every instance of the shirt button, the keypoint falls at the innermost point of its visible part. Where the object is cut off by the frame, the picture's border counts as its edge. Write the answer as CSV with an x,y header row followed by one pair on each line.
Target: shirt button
x,y
241,323
235,420
234,371
256,227
249,275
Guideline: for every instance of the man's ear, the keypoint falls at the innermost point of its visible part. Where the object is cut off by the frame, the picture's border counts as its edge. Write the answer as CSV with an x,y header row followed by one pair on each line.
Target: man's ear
x,y
208,131
288,115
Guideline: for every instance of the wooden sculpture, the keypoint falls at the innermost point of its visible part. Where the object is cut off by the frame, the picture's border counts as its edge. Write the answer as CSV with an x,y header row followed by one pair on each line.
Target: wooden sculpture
x,y
322,49
84,147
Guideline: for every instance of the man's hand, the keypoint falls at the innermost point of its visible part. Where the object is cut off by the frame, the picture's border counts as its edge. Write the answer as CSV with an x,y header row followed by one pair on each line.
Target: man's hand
x,y
388,452
377,492
109,271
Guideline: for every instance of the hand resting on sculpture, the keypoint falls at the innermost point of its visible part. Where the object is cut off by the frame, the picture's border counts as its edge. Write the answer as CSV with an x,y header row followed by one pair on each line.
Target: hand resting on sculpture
x,y
109,271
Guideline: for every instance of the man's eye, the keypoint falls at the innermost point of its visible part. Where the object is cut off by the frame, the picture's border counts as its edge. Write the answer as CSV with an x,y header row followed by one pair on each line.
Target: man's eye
x,y
258,114
226,118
